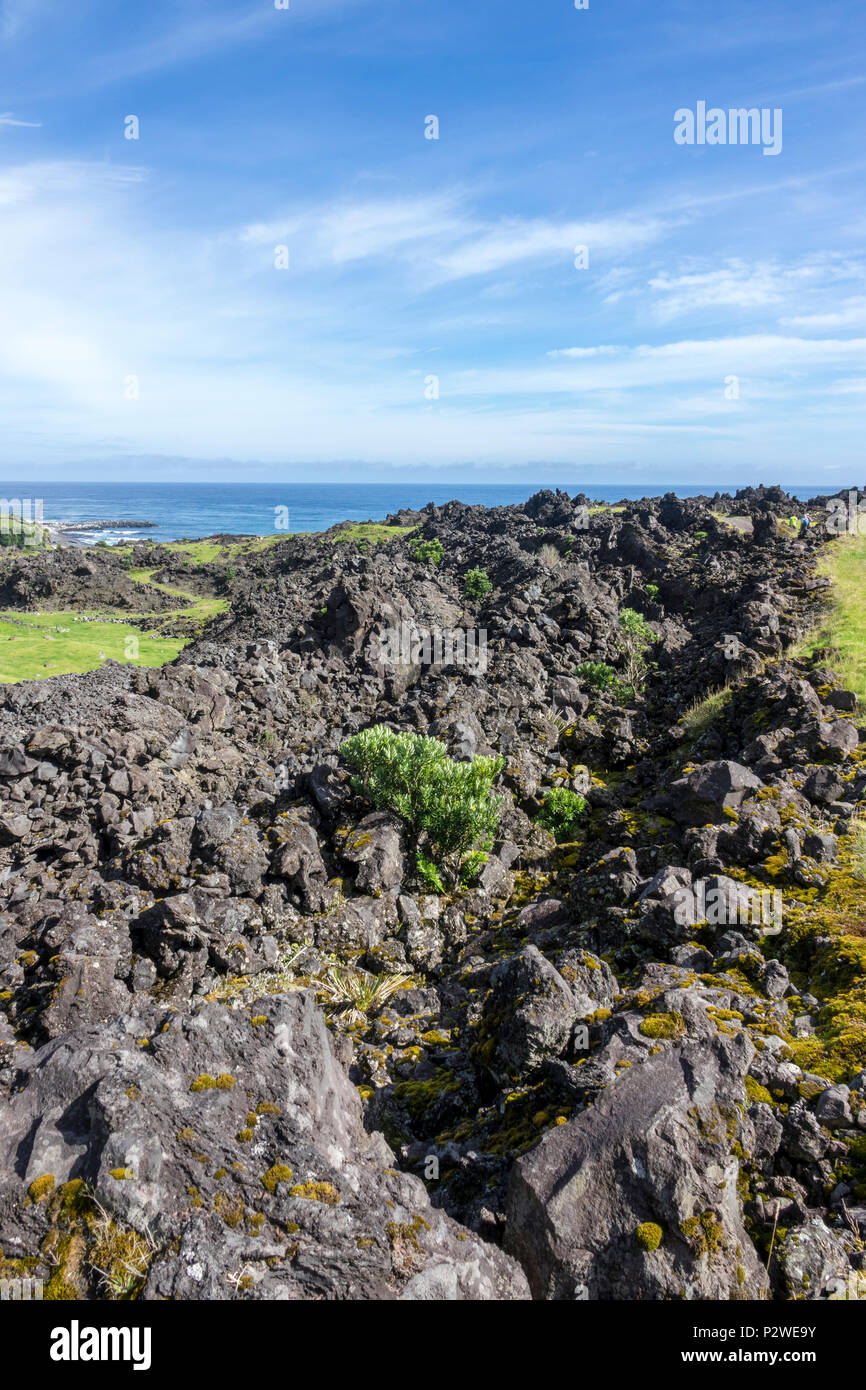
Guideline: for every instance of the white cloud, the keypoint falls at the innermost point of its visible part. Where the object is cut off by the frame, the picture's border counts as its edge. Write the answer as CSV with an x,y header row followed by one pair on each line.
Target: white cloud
x,y
514,240
340,232
602,350
7,118
222,27
440,240
328,359
850,314
18,15
764,357
850,386
734,285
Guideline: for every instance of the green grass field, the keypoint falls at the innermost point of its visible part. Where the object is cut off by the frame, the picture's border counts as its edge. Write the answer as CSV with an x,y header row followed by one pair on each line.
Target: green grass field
x,y
37,645
374,532
843,628
193,606
200,553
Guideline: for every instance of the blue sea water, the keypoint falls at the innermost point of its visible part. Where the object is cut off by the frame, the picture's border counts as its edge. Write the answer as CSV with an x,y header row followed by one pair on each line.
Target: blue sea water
x,y
191,510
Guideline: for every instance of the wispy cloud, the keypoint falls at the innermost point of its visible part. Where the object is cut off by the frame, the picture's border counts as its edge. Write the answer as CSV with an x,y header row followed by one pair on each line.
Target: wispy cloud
x,y
770,358
7,118
341,231
851,313
736,284
182,41
743,285
439,236
604,350
328,360
514,240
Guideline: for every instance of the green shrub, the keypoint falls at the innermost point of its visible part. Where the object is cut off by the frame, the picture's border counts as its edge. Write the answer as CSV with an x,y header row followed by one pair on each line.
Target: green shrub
x,y
231,571
447,802
652,591
635,626
428,552
635,635
476,585
596,674
560,813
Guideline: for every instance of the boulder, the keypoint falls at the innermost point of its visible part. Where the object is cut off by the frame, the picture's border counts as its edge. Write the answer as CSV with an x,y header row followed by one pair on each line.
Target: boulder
x,y
297,859
705,794
375,847
636,1197
232,1143
528,1016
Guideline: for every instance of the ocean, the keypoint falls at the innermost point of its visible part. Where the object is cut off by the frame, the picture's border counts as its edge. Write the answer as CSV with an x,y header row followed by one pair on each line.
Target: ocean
x,y
190,510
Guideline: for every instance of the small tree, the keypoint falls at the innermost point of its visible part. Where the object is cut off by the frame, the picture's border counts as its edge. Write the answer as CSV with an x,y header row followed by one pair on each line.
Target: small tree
x,y
476,585
635,636
448,803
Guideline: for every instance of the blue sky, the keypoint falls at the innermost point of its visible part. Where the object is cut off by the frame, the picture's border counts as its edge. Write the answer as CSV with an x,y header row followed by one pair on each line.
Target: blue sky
x,y
412,259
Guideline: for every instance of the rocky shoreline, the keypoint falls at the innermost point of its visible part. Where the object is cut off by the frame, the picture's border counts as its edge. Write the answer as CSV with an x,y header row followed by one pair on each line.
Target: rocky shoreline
x,y
78,533
584,1083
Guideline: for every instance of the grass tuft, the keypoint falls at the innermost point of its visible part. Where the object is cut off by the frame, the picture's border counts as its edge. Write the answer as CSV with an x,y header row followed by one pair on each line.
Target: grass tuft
x,y
704,712
355,993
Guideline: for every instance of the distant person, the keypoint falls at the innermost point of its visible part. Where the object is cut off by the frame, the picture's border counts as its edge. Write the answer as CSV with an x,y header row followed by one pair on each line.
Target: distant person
x,y
805,523
794,526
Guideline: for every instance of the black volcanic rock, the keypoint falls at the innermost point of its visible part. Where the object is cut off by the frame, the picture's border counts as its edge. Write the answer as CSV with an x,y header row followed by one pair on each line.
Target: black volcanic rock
x,y
220,964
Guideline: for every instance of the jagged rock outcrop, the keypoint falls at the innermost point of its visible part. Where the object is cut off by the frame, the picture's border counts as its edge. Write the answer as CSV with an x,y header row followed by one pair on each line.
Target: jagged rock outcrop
x,y
636,1198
